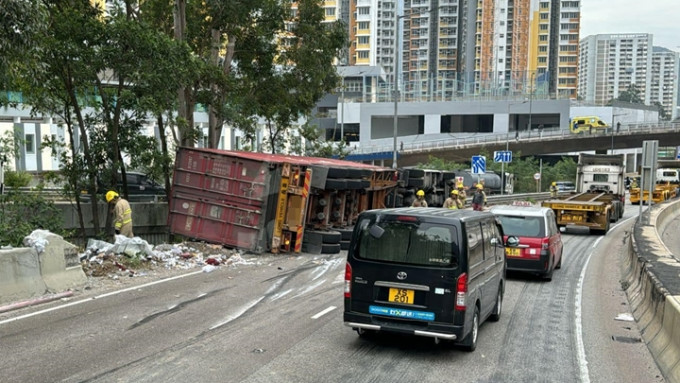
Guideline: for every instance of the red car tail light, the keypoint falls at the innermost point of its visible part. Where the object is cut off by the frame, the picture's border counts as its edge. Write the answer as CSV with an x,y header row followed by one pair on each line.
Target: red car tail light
x,y
545,243
348,280
461,292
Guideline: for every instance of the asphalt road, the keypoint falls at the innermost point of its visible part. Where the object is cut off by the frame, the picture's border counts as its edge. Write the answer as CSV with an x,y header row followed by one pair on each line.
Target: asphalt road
x,y
281,321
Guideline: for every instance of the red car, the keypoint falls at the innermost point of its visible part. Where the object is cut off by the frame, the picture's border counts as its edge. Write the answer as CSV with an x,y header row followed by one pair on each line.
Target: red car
x,y
539,246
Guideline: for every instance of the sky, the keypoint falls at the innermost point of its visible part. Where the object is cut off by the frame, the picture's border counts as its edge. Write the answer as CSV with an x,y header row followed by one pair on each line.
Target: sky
x,y
658,17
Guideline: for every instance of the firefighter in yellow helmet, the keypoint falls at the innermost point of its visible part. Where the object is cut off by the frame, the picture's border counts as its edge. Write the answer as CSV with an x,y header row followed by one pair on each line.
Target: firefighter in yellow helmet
x,y
478,198
420,199
452,202
462,196
553,189
122,214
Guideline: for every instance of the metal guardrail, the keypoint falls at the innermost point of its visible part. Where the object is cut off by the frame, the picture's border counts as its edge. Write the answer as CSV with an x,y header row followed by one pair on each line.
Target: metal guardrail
x,y
57,194
522,136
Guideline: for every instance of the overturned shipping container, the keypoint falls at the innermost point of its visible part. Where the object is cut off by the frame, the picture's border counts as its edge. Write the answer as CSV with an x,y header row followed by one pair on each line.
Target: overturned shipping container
x,y
257,201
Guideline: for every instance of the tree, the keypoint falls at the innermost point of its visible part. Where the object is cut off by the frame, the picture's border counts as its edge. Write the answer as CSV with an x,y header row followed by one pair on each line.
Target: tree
x,y
632,95
663,114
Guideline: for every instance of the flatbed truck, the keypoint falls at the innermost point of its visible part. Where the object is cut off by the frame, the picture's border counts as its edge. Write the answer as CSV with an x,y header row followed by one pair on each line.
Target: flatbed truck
x,y
599,198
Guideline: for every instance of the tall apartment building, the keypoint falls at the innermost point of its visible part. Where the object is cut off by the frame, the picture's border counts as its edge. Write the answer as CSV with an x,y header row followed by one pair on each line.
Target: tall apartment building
x,y
372,33
467,47
610,63
664,84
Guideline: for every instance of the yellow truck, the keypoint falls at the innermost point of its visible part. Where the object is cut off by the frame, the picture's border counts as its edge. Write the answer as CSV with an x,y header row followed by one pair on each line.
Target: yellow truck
x,y
587,124
599,197
666,186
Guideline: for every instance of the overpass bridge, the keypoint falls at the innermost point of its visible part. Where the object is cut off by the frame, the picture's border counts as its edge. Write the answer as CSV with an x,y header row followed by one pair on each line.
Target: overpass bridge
x,y
529,143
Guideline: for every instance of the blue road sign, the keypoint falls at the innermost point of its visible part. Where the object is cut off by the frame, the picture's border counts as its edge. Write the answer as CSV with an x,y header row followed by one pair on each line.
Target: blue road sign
x,y
502,156
478,164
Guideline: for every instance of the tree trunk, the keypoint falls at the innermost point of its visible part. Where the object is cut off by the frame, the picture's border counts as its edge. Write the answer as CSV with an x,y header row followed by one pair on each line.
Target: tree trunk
x,y
184,110
164,151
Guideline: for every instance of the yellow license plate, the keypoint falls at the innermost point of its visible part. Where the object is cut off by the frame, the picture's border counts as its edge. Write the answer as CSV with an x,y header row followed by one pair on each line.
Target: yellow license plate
x,y
401,296
512,251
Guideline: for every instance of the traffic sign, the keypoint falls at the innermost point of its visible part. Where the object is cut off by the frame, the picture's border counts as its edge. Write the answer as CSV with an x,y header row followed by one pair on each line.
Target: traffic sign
x,y
537,176
478,164
503,156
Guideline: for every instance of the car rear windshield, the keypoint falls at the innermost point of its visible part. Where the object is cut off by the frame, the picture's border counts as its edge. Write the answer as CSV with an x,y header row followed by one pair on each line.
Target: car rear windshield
x,y
522,226
413,243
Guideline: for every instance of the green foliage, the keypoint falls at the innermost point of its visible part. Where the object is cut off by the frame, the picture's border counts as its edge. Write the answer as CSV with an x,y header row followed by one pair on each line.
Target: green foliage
x,y
523,170
632,95
18,179
315,147
21,213
663,114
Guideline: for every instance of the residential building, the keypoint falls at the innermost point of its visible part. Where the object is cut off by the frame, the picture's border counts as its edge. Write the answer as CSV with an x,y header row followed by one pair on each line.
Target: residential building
x,y
610,63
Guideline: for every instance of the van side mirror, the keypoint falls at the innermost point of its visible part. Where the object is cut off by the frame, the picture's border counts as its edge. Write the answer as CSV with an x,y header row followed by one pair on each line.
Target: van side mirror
x,y
376,231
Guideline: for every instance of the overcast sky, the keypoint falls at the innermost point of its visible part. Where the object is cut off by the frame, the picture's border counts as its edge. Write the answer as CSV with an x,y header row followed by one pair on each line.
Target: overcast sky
x,y
658,17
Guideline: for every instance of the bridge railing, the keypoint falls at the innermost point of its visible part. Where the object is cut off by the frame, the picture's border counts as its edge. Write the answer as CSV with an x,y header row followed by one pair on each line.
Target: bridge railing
x,y
519,136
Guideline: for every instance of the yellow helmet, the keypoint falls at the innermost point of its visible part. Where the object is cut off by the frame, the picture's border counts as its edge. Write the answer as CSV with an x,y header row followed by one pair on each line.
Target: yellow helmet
x,y
454,192
110,195
460,186
554,183
480,186
420,193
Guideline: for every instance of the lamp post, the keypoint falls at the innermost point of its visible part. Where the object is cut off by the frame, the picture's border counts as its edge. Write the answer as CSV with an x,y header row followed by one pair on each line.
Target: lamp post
x,y
531,97
342,110
396,76
396,88
507,145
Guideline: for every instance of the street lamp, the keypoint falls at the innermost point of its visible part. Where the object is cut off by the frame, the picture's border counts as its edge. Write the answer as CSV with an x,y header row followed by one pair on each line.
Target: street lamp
x,y
531,97
396,76
507,145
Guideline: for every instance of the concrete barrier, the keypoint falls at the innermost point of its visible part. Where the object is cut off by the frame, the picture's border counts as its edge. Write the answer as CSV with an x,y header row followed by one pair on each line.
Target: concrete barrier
x,y
652,273
26,272
60,266
20,275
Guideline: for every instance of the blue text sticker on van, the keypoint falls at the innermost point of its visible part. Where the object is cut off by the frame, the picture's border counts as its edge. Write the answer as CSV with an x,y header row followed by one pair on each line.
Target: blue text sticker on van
x,y
401,313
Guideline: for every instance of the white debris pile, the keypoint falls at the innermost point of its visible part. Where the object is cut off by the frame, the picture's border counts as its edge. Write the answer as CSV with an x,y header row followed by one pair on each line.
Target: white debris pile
x,y
37,239
133,256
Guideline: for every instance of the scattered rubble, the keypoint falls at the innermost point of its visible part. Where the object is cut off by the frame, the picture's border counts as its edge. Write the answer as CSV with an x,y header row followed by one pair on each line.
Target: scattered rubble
x,y
134,257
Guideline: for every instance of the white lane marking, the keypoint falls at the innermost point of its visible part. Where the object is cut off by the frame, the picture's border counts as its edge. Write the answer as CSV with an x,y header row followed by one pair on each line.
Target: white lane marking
x,y
324,312
238,313
580,351
97,297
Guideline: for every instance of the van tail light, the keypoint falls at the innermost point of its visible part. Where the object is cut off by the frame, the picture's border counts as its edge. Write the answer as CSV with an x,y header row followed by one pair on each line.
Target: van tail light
x,y
348,280
545,243
461,292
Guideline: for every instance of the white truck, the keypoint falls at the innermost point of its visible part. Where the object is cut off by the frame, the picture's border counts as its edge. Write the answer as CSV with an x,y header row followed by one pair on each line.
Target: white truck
x,y
599,197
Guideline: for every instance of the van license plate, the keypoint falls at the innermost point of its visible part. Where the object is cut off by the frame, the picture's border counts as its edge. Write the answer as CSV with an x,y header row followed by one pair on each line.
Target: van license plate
x,y
512,251
401,296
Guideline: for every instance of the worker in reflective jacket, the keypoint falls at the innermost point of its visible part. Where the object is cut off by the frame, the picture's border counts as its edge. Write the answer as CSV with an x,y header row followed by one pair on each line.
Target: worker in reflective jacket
x,y
122,214
452,202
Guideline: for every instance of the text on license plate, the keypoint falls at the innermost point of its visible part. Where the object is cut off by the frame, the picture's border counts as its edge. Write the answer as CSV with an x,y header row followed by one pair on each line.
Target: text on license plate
x,y
401,296
512,251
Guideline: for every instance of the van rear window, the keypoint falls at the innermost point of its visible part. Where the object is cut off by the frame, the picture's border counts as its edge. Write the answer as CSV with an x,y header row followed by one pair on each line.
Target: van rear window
x,y
413,243
522,226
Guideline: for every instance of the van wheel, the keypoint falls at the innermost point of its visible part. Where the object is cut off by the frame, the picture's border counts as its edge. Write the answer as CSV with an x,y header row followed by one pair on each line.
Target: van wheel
x,y
470,341
496,313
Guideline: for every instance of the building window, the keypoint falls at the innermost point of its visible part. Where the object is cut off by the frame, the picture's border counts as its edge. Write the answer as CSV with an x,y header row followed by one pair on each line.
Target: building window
x,y
363,54
30,143
330,11
365,11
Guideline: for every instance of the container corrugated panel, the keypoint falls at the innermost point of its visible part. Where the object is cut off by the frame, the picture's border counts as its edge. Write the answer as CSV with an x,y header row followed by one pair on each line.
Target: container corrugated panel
x,y
222,176
221,198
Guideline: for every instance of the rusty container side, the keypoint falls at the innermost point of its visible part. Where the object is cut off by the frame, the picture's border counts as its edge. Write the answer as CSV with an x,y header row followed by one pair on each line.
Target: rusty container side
x,y
225,199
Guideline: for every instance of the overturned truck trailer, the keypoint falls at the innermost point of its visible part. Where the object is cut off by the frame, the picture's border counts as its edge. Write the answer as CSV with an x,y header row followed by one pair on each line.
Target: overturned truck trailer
x,y
263,202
